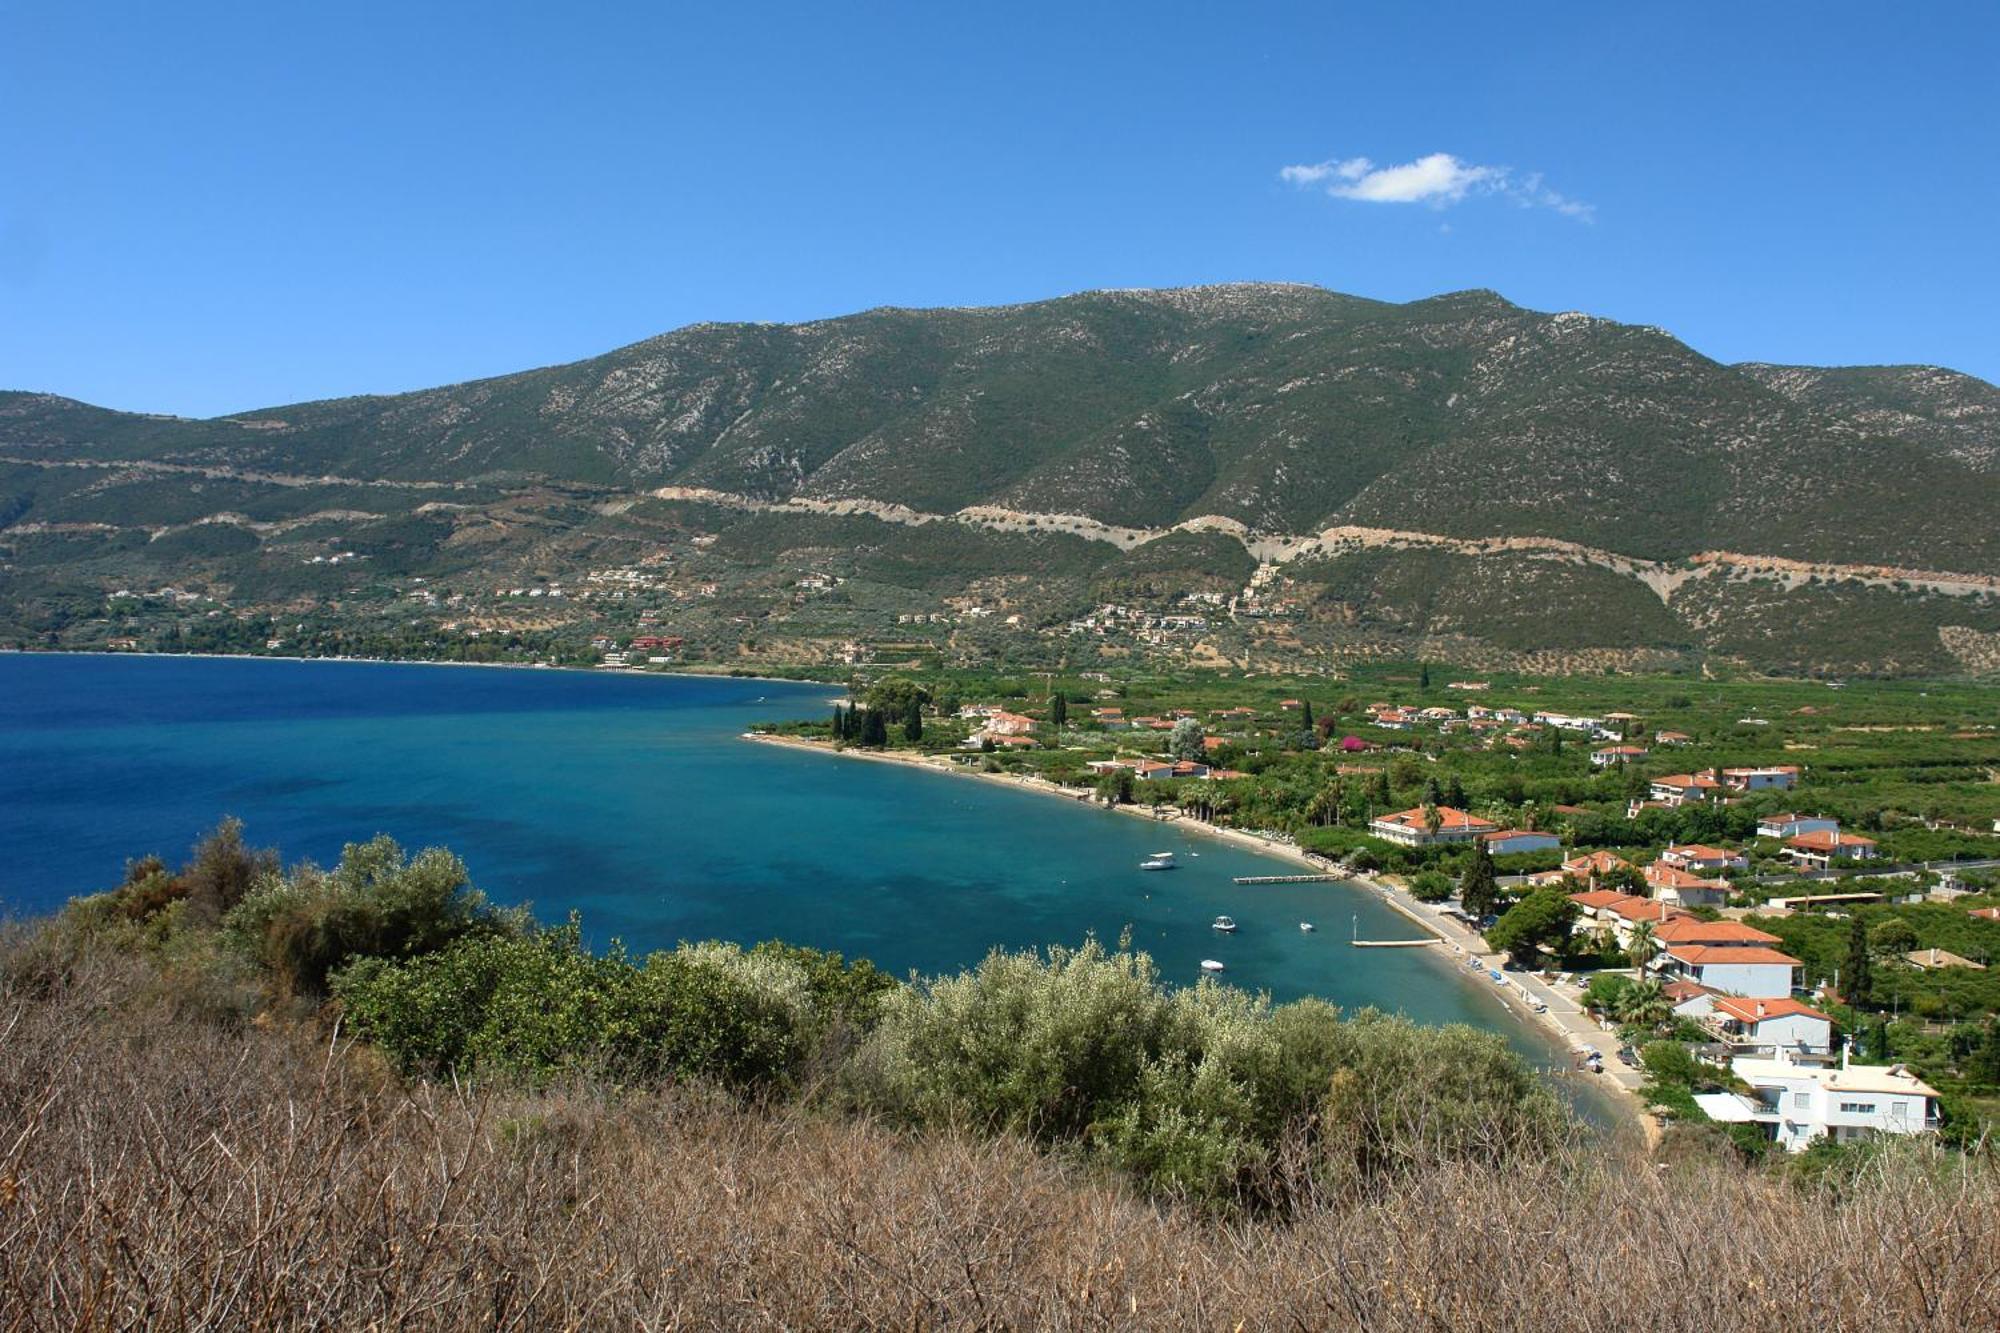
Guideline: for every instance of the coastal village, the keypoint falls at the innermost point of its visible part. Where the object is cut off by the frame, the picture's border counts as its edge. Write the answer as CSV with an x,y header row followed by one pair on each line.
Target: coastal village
x,y
1720,939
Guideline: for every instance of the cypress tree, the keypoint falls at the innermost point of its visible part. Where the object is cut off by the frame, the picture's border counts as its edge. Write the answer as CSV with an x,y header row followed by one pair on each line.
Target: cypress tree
x,y
1059,708
1856,979
1307,721
1424,676
874,731
913,721
1454,794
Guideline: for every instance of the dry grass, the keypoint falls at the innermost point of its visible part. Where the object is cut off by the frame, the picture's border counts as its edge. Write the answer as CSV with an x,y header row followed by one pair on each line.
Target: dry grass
x,y
160,1170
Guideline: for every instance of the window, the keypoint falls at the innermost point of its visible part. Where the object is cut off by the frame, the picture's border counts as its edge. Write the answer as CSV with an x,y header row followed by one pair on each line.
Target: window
x,y
1801,1100
1857,1108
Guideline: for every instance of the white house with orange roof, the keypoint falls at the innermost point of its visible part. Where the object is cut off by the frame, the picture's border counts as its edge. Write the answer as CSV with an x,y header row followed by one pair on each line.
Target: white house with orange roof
x,y
1765,1027
1820,850
1592,866
1753,970
1009,724
1671,884
1699,856
1617,754
1677,789
1411,828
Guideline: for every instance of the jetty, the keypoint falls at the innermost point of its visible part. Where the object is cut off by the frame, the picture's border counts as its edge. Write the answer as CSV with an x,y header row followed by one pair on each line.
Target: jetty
x,y
1290,879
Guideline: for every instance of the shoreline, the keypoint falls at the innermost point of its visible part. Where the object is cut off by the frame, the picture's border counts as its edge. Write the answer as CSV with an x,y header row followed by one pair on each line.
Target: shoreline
x,y
407,661
1562,1018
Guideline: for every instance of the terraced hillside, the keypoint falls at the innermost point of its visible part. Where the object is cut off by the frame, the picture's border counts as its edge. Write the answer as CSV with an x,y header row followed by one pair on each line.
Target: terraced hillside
x,y
1318,474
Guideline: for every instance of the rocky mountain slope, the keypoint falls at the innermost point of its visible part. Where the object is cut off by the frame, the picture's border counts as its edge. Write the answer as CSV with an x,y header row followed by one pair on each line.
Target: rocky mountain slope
x,y
1296,421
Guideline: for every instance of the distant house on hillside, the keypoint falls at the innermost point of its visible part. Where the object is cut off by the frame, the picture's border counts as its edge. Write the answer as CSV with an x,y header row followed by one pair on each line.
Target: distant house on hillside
x,y
1820,850
1677,789
1696,856
1009,724
1933,959
1791,825
1783,777
1670,884
1617,754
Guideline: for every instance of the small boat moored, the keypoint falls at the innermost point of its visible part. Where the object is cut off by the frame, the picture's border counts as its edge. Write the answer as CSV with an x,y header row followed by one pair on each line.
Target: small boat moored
x,y
1226,924
1159,861
1308,927
1210,966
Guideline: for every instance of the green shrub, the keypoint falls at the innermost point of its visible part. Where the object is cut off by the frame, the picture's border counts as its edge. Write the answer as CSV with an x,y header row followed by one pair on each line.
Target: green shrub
x,y
533,1005
1194,1091
375,904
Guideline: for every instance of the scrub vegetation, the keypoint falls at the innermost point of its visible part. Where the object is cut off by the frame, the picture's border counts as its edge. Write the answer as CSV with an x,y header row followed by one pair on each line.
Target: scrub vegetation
x,y
239,1094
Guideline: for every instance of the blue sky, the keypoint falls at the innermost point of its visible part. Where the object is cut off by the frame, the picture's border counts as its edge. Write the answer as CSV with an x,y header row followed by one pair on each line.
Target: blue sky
x,y
211,207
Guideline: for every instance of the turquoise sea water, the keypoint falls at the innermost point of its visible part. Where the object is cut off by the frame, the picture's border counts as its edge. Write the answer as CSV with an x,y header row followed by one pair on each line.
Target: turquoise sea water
x,y
634,800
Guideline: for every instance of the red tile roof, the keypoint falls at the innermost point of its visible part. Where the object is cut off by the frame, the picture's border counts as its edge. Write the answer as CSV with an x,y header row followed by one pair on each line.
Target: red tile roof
x,y
1756,1011
1822,841
1701,955
1449,820
1693,930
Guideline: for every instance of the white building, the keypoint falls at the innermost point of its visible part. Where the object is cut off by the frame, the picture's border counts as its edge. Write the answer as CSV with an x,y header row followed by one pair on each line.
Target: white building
x,y
1799,1103
1768,1027
1758,972
1780,777
1411,827
1506,842
1791,826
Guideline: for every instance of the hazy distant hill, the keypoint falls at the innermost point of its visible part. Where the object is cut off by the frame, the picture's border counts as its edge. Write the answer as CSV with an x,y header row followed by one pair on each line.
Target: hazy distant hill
x,y
1288,410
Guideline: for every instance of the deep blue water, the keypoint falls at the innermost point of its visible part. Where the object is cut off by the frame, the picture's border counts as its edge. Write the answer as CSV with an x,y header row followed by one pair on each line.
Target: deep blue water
x,y
634,800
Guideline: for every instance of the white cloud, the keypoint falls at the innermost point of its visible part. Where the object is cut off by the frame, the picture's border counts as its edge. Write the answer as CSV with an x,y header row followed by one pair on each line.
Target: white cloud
x,y
1437,179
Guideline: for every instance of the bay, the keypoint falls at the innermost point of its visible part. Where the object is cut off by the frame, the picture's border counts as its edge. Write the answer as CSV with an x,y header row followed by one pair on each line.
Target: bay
x,y
634,801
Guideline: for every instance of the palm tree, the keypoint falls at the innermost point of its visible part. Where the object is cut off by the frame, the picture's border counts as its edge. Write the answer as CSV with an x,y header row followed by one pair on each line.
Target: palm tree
x,y
1643,1004
1433,821
1643,945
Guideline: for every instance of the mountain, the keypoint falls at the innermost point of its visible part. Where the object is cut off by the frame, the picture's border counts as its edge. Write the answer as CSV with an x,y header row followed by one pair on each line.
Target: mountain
x,y
1455,475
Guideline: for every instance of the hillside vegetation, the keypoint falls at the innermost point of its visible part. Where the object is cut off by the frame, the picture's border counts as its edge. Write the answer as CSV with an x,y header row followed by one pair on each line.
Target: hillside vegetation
x,y
1105,419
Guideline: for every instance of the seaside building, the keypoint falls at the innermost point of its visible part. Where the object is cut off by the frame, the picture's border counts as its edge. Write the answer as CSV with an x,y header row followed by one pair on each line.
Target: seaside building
x,y
1799,1103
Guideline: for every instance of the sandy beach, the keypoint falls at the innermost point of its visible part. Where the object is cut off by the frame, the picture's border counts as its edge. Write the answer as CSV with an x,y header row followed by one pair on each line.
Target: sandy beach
x,y
1563,1014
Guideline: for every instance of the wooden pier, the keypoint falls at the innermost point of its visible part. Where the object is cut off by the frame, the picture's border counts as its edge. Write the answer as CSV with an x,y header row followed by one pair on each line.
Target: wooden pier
x,y
1290,879
1390,944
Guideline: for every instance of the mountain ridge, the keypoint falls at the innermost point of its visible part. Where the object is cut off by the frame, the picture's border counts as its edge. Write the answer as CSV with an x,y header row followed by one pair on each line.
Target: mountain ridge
x,y
1287,411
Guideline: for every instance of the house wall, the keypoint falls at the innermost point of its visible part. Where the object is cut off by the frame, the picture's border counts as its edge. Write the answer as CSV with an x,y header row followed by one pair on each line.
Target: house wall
x,y
1759,981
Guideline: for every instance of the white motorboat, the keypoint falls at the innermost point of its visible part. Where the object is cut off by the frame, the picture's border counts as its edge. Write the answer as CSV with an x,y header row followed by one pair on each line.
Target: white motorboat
x,y
1226,924
1159,861
1308,927
1210,965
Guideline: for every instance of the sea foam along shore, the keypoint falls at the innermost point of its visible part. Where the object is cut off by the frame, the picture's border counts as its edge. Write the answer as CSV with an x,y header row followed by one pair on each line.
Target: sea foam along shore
x,y
1561,1013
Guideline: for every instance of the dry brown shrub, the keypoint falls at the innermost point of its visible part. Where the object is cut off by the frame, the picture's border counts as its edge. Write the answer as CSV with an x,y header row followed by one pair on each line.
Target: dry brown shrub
x,y
161,1171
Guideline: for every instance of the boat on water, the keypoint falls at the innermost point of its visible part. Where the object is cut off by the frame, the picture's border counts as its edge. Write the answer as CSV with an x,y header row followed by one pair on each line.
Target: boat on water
x,y
1159,861
1226,924
1308,927
1210,965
